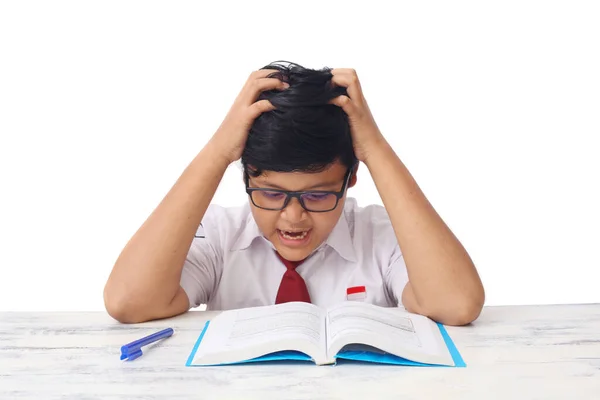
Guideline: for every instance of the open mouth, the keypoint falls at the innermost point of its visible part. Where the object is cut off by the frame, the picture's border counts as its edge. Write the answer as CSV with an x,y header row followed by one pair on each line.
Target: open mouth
x,y
300,235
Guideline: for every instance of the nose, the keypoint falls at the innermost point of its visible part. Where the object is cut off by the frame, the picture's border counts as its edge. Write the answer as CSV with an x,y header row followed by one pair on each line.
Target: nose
x,y
294,211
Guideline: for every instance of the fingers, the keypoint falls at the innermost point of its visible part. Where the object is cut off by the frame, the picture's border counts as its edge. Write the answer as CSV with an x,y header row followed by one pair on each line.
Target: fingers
x,y
269,84
260,107
261,73
258,83
257,86
345,103
337,71
348,78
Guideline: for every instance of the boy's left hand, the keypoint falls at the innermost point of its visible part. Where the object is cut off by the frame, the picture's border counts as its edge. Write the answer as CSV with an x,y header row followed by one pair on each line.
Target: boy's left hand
x,y
364,130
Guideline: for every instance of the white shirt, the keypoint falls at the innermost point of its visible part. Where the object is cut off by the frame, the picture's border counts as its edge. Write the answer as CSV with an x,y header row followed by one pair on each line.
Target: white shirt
x,y
230,264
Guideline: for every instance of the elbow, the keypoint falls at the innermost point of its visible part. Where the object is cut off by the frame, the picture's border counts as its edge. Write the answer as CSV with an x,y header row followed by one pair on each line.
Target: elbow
x,y
463,315
459,311
121,308
465,310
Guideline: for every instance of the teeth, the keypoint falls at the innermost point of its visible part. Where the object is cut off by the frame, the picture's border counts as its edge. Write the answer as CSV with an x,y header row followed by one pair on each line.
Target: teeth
x,y
299,237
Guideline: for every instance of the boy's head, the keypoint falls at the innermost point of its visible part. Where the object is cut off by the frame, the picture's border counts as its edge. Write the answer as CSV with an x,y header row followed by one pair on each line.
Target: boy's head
x,y
302,145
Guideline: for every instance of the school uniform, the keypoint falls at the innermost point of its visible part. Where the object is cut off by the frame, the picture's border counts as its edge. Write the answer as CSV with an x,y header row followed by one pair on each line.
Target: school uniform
x,y
230,264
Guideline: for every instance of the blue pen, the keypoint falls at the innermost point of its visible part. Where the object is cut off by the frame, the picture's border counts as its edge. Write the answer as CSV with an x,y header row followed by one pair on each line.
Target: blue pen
x,y
133,350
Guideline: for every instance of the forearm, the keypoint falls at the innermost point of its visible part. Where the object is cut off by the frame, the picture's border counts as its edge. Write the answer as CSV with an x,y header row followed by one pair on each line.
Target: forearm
x,y
443,279
148,270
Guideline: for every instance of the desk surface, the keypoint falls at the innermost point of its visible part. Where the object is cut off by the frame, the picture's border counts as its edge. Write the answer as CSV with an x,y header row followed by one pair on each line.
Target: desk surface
x,y
525,352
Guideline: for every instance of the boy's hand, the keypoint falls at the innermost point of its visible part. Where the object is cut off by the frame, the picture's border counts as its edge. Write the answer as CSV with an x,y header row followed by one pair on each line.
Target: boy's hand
x,y
364,130
230,138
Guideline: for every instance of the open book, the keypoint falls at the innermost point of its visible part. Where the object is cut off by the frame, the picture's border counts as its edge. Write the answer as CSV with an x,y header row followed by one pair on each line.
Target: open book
x,y
302,331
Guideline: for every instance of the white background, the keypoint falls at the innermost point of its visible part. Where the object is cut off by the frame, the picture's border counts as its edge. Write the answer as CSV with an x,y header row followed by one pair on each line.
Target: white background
x,y
493,107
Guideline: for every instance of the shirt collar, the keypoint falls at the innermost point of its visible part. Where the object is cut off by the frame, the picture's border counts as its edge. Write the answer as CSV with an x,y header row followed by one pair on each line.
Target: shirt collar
x,y
339,239
248,233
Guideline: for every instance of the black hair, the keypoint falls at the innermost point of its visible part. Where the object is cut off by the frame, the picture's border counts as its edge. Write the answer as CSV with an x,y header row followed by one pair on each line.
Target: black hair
x,y
304,133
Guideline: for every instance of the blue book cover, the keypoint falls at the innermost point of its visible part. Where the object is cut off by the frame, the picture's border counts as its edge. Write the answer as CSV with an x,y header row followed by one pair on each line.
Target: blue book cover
x,y
357,354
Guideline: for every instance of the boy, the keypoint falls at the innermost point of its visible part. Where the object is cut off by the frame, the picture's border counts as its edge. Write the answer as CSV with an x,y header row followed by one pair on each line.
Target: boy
x,y
300,134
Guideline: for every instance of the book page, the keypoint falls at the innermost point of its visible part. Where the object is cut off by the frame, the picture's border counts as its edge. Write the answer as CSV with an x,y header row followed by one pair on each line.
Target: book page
x,y
390,329
238,335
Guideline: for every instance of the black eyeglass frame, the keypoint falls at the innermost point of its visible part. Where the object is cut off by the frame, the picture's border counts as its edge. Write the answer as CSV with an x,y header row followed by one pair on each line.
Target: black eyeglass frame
x,y
290,194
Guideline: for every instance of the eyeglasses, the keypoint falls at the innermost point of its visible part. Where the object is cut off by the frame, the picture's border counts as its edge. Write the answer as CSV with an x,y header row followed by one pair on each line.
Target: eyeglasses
x,y
312,201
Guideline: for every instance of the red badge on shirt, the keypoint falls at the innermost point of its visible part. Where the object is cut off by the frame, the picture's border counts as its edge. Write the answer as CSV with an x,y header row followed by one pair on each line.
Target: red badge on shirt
x,y
356,293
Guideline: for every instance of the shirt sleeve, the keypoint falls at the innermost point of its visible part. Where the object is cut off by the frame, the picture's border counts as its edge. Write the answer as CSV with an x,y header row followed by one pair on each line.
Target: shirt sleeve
x,y
397,276
204,261
382,239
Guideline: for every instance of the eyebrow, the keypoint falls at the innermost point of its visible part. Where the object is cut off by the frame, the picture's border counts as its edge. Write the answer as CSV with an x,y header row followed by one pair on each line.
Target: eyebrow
x,y
319,185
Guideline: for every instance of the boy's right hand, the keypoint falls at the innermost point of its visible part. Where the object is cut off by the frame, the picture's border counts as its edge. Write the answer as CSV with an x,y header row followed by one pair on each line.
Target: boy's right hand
x,y
230,139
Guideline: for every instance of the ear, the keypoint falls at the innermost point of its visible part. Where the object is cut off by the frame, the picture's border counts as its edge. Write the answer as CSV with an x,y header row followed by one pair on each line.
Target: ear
x,y
353,177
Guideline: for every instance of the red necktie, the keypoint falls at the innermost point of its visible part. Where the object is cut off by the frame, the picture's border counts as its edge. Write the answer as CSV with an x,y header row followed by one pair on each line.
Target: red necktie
x,y
292,286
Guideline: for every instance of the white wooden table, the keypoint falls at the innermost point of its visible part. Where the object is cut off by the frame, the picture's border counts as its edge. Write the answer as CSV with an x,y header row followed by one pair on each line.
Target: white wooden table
x,y
526,352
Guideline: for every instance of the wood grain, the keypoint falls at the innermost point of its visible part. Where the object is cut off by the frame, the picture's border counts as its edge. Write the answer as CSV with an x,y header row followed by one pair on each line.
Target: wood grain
x,y
522,352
